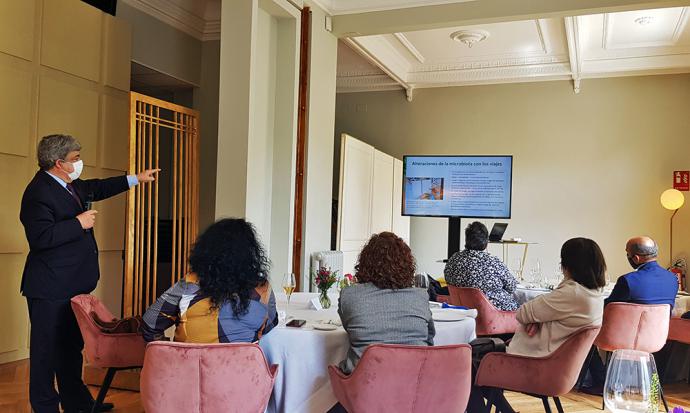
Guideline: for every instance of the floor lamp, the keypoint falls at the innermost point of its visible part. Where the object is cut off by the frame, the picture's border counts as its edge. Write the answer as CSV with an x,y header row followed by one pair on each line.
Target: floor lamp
x,y
672,199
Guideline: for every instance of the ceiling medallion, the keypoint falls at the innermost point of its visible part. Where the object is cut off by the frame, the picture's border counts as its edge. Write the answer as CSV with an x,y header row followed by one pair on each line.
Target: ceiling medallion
x,y
469,37
644,20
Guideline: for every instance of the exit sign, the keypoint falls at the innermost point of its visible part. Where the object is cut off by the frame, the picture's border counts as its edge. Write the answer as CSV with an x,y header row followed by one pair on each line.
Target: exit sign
x,y
681,180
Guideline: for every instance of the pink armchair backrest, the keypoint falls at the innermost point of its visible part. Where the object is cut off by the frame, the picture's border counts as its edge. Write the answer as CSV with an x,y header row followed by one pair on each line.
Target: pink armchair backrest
x,y
551,376
634,326
414,379
491,320
679,330
106,350
205,378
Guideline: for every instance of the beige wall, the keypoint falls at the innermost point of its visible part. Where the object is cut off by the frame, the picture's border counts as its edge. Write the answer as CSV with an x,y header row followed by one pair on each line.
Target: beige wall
x,y
206,102
162,47
590,165
64,68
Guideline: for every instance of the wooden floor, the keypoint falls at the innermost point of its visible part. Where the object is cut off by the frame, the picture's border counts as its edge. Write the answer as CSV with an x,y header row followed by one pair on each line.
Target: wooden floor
x,y
14,396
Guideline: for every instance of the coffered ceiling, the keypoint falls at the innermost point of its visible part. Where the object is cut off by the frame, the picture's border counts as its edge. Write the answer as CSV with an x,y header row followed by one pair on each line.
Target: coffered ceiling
x,y
576,48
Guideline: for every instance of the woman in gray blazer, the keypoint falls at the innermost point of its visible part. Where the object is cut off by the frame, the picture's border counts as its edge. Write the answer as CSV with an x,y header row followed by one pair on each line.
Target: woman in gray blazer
x,y
383,307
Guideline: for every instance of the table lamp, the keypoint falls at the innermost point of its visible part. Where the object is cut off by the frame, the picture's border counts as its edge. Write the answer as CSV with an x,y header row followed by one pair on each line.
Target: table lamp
x,y
672,199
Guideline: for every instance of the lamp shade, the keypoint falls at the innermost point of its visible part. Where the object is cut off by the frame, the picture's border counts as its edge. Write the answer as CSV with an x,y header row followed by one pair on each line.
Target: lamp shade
x,y
672,199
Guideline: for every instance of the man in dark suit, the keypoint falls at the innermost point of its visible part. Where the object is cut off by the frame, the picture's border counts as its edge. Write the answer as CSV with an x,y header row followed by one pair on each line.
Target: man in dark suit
x,y
649,283
62,263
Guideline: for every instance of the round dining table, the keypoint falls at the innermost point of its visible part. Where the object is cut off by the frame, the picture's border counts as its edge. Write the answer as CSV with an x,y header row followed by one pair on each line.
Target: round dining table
x,y
303,354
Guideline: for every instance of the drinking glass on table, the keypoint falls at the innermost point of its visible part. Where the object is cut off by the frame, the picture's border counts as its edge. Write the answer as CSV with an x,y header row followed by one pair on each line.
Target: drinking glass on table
x,y
421,281
632,383
289,285
535,273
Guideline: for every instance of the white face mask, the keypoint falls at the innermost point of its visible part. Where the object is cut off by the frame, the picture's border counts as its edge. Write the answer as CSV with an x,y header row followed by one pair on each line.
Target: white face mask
x,y
78,166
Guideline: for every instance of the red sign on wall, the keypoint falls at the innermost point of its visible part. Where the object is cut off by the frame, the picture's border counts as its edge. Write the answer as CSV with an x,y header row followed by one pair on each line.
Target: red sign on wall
x,y
681,180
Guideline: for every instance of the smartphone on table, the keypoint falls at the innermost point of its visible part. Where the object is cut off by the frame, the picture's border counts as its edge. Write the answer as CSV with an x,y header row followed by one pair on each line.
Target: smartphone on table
x,y
296,323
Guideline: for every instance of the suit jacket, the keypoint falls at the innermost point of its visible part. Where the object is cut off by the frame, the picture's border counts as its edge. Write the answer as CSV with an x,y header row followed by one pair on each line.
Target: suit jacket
x,y
374,315
63,257
649,284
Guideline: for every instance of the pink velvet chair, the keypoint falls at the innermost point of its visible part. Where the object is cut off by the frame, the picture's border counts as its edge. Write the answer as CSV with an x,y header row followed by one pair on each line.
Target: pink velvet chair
x,y
205,378
412,379
112,351
491,321
642,327
550,376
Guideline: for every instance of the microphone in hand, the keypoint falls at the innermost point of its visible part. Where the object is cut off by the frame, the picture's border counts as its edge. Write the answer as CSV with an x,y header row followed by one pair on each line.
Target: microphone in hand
x,y
89,202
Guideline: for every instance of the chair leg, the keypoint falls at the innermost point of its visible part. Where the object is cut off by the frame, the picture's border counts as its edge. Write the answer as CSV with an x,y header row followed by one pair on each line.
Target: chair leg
x,y
606,368
547,407
490,399
104,389
559,407
663,399
585,368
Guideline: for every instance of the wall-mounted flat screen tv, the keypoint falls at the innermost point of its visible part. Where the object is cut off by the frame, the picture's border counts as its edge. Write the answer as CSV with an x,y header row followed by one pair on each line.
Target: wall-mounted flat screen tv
x,y
467,186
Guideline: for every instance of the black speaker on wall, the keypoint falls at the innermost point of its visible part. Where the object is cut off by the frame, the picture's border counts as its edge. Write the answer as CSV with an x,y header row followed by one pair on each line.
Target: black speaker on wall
x,y
107,6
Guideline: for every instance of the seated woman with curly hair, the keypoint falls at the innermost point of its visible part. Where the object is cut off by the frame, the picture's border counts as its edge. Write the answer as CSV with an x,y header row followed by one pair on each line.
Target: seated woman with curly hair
x,y
226,298
383,307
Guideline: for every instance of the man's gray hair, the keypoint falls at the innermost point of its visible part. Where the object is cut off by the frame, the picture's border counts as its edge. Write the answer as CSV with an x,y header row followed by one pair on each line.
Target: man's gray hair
x,y
647,250
55,147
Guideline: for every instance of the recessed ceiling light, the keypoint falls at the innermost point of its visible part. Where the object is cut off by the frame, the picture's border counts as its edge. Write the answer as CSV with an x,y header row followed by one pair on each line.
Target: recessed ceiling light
x,y
469,37
644,20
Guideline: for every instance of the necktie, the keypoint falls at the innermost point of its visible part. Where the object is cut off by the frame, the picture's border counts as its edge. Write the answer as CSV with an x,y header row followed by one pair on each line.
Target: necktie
x,y
72,192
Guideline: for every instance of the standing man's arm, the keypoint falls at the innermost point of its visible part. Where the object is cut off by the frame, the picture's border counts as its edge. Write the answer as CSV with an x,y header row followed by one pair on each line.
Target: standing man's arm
x,y
620,293
99,189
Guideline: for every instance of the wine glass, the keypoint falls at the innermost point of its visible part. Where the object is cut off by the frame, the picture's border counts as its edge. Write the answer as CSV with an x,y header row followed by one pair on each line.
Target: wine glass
x,y
289,287
632,383
535,273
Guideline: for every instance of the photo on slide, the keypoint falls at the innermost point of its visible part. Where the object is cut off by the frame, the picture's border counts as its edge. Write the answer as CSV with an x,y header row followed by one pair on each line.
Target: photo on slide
x,y
430,189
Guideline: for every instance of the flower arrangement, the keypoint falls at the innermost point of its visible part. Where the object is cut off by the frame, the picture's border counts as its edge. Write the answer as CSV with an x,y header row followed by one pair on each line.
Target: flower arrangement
x,y
348,280
324,279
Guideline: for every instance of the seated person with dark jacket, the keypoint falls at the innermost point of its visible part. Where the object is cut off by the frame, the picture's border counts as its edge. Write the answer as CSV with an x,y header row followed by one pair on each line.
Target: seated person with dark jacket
x,y
474,267
650,283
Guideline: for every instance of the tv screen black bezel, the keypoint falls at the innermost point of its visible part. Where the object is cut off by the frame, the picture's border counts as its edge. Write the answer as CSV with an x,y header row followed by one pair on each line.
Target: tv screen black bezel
x,y
510,200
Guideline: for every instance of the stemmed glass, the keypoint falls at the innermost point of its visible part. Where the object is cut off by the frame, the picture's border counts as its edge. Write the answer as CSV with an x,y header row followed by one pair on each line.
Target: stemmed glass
x,y
632,383
535,273
289,287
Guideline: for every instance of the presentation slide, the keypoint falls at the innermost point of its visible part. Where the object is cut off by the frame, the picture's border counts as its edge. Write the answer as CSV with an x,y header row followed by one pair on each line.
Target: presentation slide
x,y
457,186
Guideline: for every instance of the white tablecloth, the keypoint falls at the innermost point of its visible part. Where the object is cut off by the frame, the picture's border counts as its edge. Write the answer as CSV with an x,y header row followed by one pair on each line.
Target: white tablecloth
x,y
524,294
303,354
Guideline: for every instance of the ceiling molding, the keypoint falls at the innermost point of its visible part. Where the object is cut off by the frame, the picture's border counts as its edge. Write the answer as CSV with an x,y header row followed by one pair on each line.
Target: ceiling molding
x,y
410,47
383,55
505,74
545,44
177,17
366,83
211,30
572,35
492,63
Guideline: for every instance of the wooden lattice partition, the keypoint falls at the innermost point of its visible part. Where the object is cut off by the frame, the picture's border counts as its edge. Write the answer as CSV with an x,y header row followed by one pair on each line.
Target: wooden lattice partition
x,y
157,244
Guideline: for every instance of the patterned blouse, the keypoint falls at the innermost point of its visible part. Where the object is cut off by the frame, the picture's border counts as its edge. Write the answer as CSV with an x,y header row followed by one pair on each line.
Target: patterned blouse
x,y
186,307
481,270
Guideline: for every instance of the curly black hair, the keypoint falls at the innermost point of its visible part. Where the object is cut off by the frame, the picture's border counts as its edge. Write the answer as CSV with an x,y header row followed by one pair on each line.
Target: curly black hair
x,y
230,263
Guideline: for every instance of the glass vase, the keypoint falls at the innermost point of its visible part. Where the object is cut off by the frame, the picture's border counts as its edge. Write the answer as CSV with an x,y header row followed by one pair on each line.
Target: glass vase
x,y
324,299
